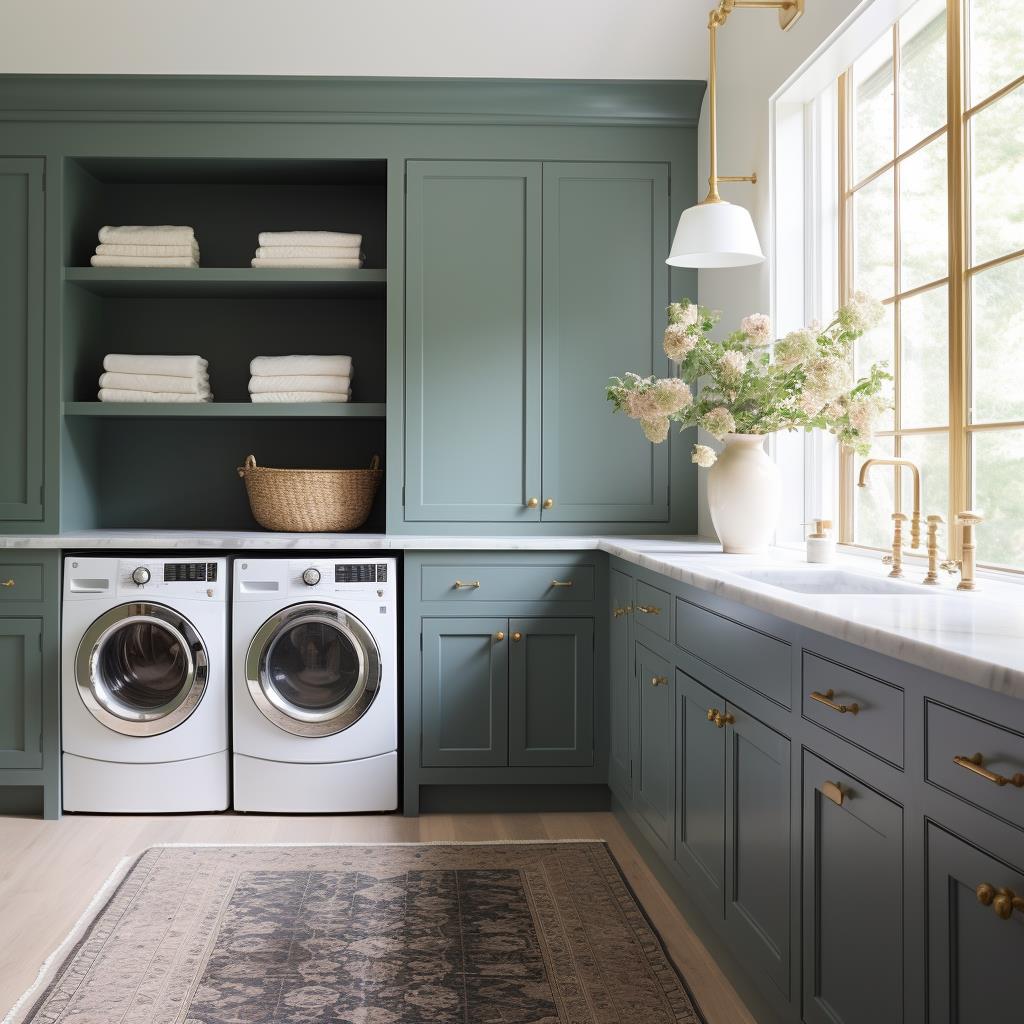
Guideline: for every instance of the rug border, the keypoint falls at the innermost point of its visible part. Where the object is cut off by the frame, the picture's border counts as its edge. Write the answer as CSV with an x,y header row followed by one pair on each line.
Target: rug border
x,y
50,971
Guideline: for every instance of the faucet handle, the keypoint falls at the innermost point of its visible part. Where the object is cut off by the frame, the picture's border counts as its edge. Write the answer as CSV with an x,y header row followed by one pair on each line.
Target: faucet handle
x,y
936,520
969,518
899,517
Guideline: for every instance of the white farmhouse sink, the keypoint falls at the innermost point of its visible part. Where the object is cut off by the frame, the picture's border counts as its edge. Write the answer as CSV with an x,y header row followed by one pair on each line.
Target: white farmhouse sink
x,y
832,581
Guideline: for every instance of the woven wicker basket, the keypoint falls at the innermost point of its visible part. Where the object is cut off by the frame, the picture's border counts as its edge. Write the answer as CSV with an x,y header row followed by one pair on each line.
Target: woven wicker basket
x,y
310,500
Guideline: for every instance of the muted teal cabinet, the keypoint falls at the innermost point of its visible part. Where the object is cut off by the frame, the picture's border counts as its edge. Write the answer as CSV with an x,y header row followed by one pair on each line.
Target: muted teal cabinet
x,y
551,691
653,739
620,681
21,341
21,693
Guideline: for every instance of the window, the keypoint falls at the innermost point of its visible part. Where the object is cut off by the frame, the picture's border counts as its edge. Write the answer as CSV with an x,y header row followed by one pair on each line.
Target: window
x,y
931,146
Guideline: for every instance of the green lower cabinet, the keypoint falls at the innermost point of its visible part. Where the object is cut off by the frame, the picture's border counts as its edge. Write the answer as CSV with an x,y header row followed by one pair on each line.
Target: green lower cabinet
x,y
620,681
852,900
653,739
21,693
465,692
975,952
551,692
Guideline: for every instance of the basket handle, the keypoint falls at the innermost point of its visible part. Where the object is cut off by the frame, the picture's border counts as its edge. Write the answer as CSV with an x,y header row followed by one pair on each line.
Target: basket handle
x,y
374,462
250,463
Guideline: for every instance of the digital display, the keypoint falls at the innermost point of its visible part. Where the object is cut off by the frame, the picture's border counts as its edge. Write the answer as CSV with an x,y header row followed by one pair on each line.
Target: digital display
x,y
190,572
362,573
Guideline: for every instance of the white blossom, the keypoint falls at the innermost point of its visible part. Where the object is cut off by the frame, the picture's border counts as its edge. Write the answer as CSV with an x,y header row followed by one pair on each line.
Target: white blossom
x,y
829,376
683,314
672,395
757,327
861,313
703,455
718,422
656,429
679,343
731,367
795,348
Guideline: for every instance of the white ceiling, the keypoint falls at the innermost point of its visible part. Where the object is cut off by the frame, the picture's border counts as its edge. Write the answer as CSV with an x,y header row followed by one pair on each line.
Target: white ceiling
x,y
629,39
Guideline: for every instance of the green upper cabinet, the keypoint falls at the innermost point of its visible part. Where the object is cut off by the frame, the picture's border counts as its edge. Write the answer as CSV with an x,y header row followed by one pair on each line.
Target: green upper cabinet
x,y
605,293
21,340
473,341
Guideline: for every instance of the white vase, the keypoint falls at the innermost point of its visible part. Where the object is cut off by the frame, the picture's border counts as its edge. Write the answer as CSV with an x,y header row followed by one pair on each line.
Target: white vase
x,y
744,495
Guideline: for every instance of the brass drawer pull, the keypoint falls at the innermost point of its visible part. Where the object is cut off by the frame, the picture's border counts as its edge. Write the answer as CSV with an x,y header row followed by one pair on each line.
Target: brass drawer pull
x,y
563,583
659,680
7,583
517,636
1003,901
834,792
648,609
827,698
976,764
500,635
471,585
720,719
617,613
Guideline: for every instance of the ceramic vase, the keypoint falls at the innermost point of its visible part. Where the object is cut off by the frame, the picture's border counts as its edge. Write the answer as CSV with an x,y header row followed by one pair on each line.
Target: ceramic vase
x,y
744,495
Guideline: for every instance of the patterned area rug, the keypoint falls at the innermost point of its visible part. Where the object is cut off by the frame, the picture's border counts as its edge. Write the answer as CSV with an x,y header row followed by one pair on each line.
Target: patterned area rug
x,y
519,933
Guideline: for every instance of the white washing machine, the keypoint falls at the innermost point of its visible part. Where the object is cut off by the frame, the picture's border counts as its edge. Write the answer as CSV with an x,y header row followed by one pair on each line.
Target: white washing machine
x,y
315,685
144,684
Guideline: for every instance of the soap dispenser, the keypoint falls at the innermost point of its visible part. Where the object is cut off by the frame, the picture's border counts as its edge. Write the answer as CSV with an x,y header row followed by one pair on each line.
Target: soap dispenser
x,y
821,547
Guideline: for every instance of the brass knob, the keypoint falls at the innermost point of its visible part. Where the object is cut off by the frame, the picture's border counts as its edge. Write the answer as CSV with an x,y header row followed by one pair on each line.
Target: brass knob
x,y
7,583
500,635
532,503
549,503
720,719
659,680
985,893
619,612
517,636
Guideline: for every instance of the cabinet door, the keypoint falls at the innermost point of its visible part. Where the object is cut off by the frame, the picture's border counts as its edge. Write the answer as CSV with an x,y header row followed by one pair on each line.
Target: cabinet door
x,y
654,757
21,693
853,900
465,692
605,293
551,692
758,841
620,681
700,799
21,340
974,955
473,277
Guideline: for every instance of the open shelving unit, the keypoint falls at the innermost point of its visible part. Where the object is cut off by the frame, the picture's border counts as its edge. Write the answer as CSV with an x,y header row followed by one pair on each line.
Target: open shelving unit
x,y
173,465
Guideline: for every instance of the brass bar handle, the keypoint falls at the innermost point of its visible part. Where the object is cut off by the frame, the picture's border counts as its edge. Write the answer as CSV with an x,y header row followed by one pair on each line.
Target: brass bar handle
x,y
7,583
617,613
720,719
659,680
834,792
563,583
500,635
1003,901
471,585
976,764
517,636
828,699
648,609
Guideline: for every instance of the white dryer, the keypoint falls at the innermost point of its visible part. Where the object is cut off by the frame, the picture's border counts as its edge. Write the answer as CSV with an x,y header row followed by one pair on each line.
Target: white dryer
x,y
315,685
144,684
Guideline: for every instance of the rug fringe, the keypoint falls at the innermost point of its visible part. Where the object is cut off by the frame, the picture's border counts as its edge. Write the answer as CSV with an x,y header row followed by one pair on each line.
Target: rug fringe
x,y
56,958
429,842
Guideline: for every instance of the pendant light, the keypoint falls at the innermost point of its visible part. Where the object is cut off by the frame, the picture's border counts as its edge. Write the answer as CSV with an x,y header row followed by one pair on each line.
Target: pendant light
x,y
715,233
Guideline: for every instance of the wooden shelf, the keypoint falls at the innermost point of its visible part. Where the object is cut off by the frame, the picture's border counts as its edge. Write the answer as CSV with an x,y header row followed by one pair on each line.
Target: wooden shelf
x,y
228,410
229,282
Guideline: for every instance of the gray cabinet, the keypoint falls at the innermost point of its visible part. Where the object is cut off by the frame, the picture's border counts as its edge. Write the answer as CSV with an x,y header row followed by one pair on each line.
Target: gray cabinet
x,y
465,692
975,951
21,341
21,693
852,900
653,739
620,681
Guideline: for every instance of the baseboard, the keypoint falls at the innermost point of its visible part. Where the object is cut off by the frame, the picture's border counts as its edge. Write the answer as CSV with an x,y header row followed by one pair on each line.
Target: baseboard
x,y
516,799
21,801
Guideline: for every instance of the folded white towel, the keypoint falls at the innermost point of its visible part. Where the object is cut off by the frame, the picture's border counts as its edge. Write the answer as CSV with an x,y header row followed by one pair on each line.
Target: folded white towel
x,y
312,264
128,249
117,395
297,382
145,261
164,366
308,238
198,385
306,366
319,252
299,396
147,234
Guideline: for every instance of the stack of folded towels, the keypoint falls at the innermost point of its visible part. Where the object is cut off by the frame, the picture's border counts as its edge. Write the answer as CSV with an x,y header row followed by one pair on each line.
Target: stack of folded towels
x,y
327,250
301,379
132,378
142,245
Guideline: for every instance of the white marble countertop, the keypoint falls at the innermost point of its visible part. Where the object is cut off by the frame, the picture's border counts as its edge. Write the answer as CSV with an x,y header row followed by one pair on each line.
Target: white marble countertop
x,y
977,637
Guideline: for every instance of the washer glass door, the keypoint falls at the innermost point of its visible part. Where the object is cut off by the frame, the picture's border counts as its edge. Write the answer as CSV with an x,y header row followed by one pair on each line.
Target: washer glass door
x,y
141,669
313,669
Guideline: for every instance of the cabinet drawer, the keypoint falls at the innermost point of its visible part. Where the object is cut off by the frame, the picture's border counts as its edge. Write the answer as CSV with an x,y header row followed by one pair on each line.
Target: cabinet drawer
x,y
877,723
21,581
653,608
507,583
951,734
755,659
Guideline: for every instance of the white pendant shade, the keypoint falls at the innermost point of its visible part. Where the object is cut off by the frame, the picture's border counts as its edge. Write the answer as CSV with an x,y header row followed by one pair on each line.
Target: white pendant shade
x,y
715,235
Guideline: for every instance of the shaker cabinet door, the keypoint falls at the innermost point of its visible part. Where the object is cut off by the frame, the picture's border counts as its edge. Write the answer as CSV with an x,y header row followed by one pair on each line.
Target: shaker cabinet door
x,y
605,293
620,681
473,341
465,692
975,933
653,738
21,340
21,693
853,900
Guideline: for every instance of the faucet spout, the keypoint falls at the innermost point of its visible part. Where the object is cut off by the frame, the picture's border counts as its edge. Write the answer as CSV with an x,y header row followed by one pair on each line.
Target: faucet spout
x,y
915,522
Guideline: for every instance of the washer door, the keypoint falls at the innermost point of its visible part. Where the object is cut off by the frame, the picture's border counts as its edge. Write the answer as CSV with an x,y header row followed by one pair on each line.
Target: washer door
x,y
141,669
313,669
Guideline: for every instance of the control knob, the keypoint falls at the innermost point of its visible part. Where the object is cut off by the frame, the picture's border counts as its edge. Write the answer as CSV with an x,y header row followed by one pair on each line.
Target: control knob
x,y
141,576
311,577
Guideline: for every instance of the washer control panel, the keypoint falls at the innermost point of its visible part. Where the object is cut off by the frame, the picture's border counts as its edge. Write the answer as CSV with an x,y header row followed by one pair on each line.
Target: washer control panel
x,y
155,577
361,579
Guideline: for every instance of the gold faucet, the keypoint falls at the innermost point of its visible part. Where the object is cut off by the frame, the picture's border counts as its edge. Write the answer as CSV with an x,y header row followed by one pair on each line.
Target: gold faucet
x,y
932,579
967,521
896,558
915,522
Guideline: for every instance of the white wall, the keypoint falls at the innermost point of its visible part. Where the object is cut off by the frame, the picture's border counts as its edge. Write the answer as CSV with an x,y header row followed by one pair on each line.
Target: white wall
x,y
639,39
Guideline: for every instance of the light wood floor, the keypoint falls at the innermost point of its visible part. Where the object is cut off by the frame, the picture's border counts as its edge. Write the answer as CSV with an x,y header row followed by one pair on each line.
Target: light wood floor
x,y
50,870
